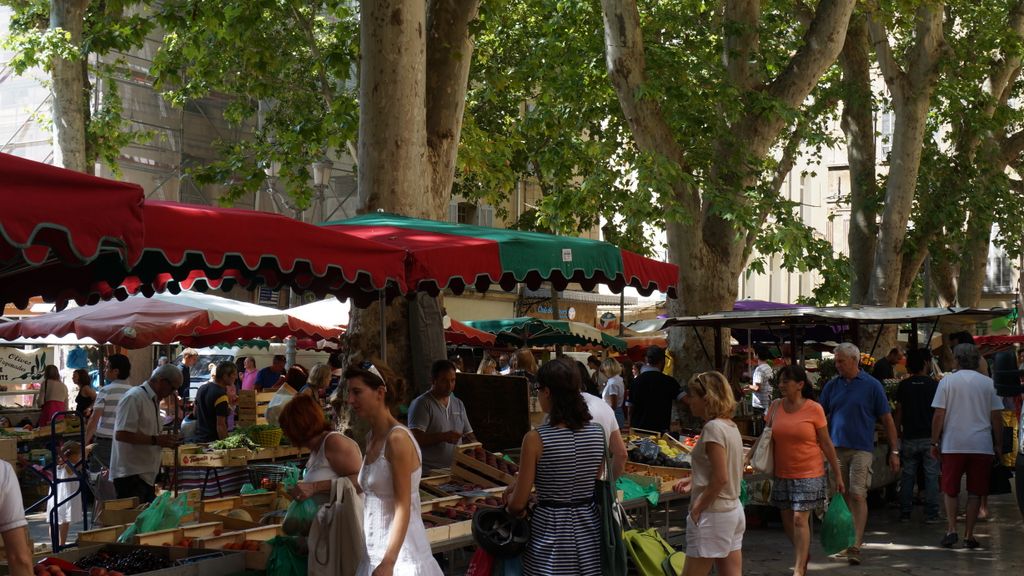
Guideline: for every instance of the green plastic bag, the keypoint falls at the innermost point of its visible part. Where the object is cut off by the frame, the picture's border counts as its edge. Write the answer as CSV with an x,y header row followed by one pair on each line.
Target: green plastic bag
x,y
248,489
837,530
299,517
285,558
163,513
631,490
744,493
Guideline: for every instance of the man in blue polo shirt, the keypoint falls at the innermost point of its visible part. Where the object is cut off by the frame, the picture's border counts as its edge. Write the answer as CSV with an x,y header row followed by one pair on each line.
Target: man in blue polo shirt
x,y
853,401
271,376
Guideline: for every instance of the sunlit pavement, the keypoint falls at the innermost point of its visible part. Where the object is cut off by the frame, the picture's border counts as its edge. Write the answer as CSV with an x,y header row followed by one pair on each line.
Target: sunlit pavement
x,y
892,547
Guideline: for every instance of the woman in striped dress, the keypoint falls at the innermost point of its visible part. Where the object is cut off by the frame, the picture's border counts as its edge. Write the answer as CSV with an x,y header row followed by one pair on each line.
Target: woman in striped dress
x,y
561,459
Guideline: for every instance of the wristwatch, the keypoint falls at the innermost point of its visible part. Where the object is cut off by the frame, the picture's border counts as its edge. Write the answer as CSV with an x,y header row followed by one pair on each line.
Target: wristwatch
x,y
896,452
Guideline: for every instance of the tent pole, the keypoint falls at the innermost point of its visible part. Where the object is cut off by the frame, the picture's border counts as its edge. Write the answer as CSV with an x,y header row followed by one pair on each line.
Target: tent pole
x,y
702,346
878,336
792,344
622,312
383,328
912,340
718,348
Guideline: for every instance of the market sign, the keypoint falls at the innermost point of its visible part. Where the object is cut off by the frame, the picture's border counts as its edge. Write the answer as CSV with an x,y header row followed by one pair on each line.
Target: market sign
x,y
22,366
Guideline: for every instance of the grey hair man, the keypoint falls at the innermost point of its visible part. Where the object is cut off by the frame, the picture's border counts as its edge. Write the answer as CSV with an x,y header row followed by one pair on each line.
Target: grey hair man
x,y
853,402
966,432
137,435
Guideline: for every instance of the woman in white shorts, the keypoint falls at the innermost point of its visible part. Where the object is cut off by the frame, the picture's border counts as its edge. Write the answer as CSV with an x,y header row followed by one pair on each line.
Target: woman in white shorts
x,y
715,523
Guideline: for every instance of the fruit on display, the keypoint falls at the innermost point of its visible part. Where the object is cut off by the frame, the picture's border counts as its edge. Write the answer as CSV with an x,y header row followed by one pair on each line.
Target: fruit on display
x,y
456,487
656,451
493,460
247,545
124,563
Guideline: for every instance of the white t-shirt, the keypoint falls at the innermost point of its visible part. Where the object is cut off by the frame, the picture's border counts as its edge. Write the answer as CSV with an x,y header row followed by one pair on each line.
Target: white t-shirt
x,y
614,387
12,510
969,399
600,413
137,412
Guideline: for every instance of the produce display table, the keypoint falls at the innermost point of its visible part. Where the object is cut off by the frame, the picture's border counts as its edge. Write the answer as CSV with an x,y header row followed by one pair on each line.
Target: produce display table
x,y
228,468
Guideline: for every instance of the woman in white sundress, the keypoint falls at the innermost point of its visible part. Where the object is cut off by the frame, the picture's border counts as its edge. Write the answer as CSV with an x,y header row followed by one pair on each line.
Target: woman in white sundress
x,y
396,541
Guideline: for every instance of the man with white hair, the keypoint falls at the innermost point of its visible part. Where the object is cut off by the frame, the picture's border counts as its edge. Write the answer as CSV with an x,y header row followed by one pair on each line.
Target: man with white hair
x,y
137,435
853,402
966,431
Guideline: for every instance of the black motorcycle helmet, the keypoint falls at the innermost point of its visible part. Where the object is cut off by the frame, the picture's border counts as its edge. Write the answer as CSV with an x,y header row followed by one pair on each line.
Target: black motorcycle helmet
x,y
500,533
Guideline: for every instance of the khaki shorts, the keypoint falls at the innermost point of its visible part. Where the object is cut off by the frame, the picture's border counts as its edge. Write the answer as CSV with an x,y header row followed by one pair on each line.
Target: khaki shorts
x,y
856,467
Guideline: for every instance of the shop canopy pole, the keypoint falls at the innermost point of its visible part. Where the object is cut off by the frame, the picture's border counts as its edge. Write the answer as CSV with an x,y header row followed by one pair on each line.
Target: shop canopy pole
x,y
718,348
912,340
792,344
622,312
702,346
383,328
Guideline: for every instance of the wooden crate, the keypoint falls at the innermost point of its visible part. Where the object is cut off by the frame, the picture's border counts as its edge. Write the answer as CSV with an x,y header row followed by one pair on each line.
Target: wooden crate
x,y
676,443
214,505
236,457
466,466
458,527
440,531
644,480
102,535
253,399
433,484
428,505
254,559
9,450
159,538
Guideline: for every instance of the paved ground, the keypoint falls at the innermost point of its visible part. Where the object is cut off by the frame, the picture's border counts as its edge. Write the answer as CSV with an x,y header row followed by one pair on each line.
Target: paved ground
x,y
891,548
894,548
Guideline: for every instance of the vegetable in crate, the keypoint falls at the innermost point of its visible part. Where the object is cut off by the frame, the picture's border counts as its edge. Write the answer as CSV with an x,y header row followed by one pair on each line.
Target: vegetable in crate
x,y
236,440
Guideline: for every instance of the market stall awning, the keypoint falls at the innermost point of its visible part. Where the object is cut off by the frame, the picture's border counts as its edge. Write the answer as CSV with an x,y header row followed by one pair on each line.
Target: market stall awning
x,y
945,318
457,256
55,221
460,334
528,331
202,247
191,318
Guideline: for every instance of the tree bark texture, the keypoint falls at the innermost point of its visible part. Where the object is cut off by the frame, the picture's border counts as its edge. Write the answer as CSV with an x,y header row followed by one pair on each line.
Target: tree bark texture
x,y
449,54
710,251
858,126
70,92
911,91
392,106
414,72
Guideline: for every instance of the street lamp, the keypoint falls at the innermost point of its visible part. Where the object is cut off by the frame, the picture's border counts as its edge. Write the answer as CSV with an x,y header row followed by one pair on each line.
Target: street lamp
x,y
322,173
272,169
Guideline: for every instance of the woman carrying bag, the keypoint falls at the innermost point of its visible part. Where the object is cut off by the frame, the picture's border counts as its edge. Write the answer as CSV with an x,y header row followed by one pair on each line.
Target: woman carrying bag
x,y
799,435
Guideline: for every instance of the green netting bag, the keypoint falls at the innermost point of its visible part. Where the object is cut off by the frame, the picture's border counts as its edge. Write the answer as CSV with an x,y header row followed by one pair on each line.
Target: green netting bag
x,y
285,559
837,530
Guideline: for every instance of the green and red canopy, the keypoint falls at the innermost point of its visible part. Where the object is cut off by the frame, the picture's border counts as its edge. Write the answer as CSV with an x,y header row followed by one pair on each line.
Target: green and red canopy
x,y
454,256
529,331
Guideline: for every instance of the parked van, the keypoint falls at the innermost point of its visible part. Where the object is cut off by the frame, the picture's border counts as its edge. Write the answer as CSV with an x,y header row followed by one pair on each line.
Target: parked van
x,y
200,373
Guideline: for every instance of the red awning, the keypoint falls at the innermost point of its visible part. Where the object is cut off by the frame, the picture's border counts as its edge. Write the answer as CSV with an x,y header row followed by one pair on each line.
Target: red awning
x,y
54,221
461,335
191,246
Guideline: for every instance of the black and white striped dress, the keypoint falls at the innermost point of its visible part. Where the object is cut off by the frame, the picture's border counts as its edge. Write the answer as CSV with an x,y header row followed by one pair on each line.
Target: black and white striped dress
x,y
565,526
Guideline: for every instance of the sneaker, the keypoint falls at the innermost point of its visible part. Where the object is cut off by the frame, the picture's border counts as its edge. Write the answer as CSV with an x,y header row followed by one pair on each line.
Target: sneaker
x,y
949,540
853,556
904,516
933,520
971,543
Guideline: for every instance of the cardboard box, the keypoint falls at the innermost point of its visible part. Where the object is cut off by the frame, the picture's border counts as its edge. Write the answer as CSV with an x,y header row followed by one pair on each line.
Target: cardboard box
x,y
9,450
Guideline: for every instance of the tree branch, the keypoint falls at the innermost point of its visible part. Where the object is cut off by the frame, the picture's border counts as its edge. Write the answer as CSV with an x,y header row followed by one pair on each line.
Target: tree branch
x,y
821,46
742,42
627,70
1012,147
892,72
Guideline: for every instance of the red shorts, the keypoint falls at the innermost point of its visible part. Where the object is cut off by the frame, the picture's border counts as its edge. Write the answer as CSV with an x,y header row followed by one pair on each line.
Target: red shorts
x,y
978,468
